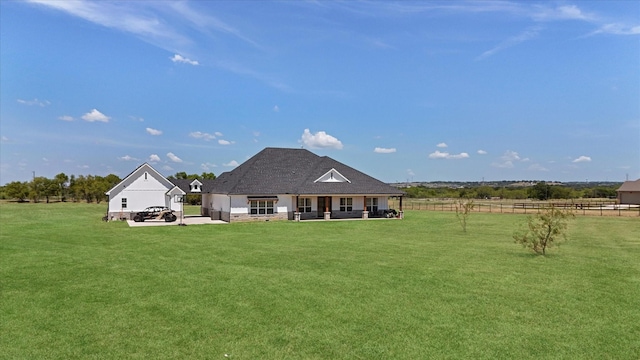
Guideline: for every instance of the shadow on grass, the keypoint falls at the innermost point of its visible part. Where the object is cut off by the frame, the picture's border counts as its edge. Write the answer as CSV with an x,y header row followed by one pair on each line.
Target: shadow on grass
x,y
528,254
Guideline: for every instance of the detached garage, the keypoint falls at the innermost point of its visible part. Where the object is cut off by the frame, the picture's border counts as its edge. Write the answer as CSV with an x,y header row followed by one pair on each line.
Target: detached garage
x,y
629,192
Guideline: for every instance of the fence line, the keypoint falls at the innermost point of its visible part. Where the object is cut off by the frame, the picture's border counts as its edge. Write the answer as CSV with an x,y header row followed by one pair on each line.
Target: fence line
x,y
587,208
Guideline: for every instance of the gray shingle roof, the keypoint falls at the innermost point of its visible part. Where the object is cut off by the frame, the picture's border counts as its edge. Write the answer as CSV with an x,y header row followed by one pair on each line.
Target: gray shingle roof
x,y
275,171
630,186
207,185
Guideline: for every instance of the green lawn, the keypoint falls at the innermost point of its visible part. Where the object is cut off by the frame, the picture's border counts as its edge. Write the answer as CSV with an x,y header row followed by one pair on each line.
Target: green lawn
x,y
75,287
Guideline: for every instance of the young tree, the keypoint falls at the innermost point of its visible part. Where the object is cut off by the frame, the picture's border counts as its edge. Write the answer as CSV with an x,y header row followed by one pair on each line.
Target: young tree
x,y
544,229
463,209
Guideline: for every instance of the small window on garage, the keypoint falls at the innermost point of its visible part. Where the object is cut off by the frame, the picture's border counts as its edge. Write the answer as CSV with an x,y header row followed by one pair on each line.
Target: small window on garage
x,y
124,203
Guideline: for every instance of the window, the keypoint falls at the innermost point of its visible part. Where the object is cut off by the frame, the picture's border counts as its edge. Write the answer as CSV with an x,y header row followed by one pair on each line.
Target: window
x,y
346,204
124,203
304,205
261,207
372,205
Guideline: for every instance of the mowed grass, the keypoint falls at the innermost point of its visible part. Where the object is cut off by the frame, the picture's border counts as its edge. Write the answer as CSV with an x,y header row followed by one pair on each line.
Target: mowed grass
x,y
75,287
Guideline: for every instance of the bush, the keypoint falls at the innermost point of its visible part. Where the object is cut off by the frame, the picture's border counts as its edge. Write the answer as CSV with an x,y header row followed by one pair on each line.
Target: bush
x,y
544,229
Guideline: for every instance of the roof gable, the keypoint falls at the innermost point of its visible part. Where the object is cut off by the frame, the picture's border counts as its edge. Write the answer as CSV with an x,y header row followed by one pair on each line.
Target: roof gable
x,y
175,191
145,172
332,176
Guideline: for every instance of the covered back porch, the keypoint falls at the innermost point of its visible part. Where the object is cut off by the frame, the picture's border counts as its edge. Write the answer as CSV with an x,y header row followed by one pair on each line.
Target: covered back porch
x,y
327,207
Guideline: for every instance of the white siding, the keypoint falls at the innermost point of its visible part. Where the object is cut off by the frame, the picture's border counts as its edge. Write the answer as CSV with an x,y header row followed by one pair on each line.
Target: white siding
x,y
140,193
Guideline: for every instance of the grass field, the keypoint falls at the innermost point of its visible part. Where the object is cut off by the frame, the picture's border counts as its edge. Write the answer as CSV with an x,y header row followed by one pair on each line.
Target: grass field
x,y
75,287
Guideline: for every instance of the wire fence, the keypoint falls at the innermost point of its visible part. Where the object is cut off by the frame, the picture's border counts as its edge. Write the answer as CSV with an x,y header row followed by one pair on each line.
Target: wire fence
x,y
586,208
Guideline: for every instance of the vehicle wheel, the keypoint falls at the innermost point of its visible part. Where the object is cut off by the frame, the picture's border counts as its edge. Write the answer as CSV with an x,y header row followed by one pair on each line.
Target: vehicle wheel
x,y
138,218
169,218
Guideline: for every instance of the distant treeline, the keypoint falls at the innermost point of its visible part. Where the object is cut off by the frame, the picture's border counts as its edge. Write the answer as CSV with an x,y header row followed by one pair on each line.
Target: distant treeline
x,y
87,188
540,191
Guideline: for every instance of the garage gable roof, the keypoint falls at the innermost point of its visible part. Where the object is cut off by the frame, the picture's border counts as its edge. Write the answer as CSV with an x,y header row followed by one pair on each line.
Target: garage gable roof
x,y
137,173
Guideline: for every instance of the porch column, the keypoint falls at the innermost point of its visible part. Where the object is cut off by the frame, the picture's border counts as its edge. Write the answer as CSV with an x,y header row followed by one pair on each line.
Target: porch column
x,y
365,213
327,212
296,213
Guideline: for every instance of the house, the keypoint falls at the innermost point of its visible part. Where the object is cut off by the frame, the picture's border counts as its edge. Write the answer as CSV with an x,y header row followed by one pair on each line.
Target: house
x,y
295,184
629,192
142,188
275,184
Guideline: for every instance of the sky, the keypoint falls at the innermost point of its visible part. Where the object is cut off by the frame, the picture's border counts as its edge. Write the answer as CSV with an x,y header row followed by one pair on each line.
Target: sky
x,y
403,91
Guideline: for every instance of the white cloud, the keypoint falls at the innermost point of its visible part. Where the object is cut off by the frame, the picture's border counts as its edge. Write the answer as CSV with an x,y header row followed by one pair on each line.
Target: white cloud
x,y
380,150
154,158
510,155
136,118
582,159
127,158
438,155
565,12
217,133
537,167
34,102
482,152
121,16
95,115
231,163
154,132
442,145
174,158
4,138
276,108
320,140
65,118
201,135
504,164
207,166
225,142
207,22
617,29
445,155
167,168
462,155
526,35
507,159
180,59
410,172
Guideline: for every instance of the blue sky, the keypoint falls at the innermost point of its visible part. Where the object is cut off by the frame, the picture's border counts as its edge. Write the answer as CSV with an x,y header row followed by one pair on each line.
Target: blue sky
x,y
418,91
